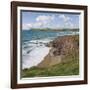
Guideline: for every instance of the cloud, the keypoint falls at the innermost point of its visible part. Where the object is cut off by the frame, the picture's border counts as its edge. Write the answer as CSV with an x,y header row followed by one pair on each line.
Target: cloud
x,y
69,25
29,25
37,24
65,18
32,25
44,18
43,21
26,26
67,21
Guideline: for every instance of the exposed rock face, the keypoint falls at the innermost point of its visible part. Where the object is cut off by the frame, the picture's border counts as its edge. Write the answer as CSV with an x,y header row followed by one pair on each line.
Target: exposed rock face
x,y
61,47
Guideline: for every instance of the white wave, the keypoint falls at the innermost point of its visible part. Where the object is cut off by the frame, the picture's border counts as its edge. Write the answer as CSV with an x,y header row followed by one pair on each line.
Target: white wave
x,y
40,41
30,45
33,52
34,57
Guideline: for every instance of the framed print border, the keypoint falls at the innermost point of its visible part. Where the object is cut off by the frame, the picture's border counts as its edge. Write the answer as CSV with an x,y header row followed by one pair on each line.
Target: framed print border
x,y
14,41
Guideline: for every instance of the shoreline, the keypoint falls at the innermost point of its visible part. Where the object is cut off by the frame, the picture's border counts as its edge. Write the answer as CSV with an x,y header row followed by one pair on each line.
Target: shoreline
x,y
51,56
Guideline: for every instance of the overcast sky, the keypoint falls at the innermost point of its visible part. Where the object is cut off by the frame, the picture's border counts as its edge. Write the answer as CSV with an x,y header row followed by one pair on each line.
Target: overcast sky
x,y
49,20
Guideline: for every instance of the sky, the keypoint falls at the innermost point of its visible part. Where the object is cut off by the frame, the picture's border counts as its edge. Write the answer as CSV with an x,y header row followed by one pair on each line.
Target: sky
x,y
49,20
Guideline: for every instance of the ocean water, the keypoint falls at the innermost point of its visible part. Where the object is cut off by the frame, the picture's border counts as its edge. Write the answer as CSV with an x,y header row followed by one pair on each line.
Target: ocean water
x,y
33,45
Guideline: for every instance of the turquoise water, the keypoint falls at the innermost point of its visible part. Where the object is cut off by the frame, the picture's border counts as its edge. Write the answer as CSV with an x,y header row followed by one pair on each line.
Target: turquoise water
x,y
28,35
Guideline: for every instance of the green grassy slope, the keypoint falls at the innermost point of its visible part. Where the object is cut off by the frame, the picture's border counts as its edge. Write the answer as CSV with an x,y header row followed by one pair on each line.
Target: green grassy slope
x,y
71,67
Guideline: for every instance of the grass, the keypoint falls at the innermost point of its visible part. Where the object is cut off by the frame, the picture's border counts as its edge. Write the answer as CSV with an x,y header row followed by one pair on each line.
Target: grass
x,y
71,67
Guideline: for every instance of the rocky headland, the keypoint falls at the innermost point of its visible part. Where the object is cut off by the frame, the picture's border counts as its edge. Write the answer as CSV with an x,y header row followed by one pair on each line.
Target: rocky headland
x,y
61,48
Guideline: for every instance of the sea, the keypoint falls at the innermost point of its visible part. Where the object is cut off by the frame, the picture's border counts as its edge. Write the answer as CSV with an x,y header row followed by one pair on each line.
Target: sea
x,y
34,47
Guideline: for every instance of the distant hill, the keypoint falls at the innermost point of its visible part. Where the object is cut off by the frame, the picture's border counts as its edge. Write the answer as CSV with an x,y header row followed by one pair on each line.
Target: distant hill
x,y
46,29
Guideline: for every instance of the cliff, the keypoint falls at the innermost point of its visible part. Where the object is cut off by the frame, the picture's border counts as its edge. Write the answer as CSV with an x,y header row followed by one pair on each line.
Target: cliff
x,y
62,47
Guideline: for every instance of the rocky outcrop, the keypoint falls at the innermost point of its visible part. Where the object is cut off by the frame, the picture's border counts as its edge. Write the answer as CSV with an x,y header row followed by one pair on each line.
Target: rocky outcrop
x,y
61,47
